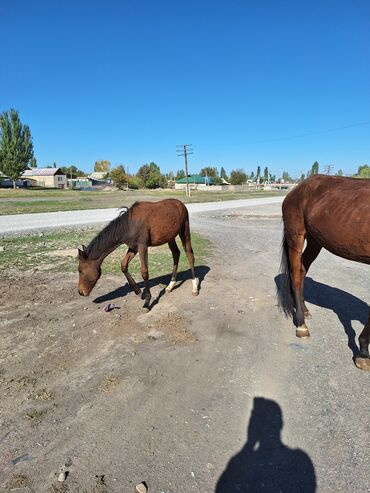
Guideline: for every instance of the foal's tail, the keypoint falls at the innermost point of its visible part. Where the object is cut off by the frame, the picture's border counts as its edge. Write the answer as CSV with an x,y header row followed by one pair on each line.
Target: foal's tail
x,y
284,288
185,230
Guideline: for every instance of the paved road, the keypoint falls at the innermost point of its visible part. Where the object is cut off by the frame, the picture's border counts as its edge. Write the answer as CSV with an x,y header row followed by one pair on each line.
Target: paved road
x,y
33,222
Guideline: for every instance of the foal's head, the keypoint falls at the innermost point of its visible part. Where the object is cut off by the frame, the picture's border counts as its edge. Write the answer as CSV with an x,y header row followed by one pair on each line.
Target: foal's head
x,y
89,272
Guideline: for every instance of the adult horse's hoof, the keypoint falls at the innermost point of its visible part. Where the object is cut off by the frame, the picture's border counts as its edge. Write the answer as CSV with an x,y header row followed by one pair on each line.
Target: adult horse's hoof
x,y
302,332
145,309
362,363
195,293
137,291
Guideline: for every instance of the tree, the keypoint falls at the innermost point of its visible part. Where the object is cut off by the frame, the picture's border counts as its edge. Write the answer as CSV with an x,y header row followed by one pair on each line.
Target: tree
x,y
180,174
286,176
33,163
223,174
266,174
315,168
119,176
363,171
16,148
302,177
258,172
237,177
72,171
340,172
102,165
151,177
209,171
252,175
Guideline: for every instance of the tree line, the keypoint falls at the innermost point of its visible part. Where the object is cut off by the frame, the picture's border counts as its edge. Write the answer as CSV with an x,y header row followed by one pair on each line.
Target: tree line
x,y
17,154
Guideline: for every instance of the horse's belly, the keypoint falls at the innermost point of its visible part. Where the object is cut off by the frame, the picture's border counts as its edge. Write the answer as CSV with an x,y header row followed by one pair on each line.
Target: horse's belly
x,y
347,241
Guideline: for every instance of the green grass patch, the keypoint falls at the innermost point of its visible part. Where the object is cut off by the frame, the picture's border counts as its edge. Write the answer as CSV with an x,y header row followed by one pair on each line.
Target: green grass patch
x,y
57,252
33,200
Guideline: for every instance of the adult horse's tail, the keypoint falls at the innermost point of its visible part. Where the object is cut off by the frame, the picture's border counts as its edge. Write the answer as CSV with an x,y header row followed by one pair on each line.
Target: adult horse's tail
x,y
284,288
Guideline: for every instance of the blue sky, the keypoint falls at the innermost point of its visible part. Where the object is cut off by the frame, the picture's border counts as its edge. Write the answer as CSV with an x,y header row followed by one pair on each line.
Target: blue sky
x,y
247,83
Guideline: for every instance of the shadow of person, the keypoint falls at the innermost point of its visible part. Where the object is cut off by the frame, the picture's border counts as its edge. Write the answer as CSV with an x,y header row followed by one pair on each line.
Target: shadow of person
x,y
346,306
265,464
200,271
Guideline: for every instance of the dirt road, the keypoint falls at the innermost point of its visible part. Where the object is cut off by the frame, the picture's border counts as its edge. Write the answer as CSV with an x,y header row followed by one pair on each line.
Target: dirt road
x,y
167,397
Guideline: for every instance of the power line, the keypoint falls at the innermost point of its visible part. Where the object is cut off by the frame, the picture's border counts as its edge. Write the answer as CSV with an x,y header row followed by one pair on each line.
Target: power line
x,y
316,132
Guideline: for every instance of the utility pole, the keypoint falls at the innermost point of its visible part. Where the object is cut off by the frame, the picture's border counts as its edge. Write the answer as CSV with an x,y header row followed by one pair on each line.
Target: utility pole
x,y
184,150
328,169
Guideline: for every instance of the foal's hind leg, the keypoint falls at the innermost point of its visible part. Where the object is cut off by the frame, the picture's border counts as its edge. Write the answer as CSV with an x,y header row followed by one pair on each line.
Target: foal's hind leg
x,y
363,359
295,243
309,255
185,239
131,252
176,255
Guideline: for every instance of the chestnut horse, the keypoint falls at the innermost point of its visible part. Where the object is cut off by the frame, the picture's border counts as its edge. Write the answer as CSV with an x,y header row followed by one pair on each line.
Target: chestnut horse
x,y
328,212
144,224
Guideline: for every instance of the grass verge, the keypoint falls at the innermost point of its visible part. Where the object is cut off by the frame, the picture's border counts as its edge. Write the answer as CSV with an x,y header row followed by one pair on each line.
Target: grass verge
x,y
33,200
57,252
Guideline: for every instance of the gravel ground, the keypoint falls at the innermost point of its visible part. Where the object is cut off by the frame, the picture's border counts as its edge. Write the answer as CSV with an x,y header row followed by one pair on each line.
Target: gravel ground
x,y
203,394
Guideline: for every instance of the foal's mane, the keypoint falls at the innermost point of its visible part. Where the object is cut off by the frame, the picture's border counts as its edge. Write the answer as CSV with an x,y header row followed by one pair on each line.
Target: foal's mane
x,y
109,237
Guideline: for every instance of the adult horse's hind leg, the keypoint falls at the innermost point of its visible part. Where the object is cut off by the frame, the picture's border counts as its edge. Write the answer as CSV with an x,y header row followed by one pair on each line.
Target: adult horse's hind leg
x,y
176,255
131,252
297,273
309,255
185,239
363,359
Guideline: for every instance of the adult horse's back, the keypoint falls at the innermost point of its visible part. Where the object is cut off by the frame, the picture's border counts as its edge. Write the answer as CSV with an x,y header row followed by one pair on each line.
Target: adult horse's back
x,y
332,213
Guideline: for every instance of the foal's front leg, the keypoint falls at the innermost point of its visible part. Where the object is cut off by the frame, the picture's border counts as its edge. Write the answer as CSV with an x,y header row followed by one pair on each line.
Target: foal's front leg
x,y
143,253
124,267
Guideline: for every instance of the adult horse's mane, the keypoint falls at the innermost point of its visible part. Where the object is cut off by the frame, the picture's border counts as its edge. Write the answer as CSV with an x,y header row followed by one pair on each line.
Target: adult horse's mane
x,y
110,236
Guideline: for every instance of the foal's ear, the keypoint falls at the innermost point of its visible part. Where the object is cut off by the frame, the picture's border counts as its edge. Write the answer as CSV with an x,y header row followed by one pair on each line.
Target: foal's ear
x,y
82,253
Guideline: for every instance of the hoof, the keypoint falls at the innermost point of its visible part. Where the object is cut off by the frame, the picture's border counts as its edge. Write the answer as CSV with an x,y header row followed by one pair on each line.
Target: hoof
x,y
195,283
362,363
137,291
302,332
145,309
170,287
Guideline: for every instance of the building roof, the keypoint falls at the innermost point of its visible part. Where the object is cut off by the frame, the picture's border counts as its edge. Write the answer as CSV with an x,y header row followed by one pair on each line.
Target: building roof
x,y
98,175
197,179
42,172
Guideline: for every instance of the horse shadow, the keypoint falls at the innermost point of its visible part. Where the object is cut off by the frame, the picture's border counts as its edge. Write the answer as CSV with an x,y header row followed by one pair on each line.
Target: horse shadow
x,y
346,306
265,464
200,271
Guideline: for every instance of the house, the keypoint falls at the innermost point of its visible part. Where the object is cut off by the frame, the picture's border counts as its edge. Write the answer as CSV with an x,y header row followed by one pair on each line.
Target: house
x,y
7,182
194,181
46,177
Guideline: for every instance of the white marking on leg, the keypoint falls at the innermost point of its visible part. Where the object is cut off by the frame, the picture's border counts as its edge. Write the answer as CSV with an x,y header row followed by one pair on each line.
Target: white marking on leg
x,y
170,287
195,283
